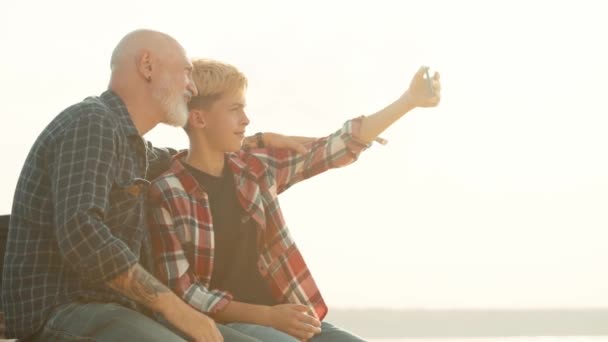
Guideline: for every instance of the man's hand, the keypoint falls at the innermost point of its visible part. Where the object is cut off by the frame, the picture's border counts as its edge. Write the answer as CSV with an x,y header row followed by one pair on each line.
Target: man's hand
x,y
423,92
198,326
292,319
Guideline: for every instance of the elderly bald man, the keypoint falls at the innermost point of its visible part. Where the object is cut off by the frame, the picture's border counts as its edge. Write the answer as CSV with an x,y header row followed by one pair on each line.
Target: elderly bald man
x,y
72,266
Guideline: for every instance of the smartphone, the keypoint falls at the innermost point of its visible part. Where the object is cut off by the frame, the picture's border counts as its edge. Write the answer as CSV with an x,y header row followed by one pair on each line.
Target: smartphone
x,y
429,82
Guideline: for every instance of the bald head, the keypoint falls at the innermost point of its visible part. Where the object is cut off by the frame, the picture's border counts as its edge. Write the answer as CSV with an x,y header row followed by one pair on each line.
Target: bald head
x,y
137,43
152,74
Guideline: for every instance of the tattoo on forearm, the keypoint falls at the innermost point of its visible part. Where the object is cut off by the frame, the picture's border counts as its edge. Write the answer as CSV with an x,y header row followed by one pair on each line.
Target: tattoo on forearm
x,y
138,285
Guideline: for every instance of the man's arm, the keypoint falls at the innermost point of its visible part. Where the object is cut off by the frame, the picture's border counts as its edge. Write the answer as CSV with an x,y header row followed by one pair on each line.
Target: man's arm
x,y
82,175
275,140
140,286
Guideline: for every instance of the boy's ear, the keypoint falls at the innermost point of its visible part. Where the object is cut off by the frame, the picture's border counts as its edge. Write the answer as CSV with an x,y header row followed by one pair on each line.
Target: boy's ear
x,y
196,118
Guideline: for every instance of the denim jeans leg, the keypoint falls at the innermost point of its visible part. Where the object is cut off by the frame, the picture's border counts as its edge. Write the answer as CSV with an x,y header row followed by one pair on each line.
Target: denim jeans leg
x,y
262,333
329,332
233,335
102,322
229,334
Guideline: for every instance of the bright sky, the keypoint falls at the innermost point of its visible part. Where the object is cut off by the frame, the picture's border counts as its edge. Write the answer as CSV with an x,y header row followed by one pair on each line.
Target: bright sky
x,y
497,198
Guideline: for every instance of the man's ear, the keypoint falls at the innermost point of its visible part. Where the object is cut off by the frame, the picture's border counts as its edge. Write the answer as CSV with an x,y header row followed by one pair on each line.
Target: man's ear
x,y
196,118
144,65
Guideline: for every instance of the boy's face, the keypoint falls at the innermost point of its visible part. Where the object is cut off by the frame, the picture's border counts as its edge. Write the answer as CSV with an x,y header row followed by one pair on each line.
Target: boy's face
x,y
225,122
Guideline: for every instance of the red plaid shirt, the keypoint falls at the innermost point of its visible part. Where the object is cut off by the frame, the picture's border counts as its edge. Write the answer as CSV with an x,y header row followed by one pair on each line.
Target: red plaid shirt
x,y
181,225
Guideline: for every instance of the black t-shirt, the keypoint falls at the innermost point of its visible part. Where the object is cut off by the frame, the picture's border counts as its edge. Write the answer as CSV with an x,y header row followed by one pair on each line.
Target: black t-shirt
x,y
235,260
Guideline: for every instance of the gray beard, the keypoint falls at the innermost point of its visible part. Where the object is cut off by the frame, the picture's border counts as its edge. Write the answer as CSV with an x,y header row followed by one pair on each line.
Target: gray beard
x,y
177,113
175,107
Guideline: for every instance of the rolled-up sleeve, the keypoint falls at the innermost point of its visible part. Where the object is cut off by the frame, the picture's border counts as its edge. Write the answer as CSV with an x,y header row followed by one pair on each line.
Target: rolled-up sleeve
x,y
81,181
339,149
172,266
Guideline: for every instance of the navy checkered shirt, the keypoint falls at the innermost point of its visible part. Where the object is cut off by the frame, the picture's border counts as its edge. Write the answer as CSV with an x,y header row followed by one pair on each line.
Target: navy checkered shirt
x,y
78,213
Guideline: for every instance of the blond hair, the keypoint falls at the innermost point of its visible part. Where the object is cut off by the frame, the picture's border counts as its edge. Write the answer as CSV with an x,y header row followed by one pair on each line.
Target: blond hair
x,y
214,79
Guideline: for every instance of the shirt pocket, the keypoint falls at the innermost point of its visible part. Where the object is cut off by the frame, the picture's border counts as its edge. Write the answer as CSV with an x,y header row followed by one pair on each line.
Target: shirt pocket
x,y
126,214
129,185
125,192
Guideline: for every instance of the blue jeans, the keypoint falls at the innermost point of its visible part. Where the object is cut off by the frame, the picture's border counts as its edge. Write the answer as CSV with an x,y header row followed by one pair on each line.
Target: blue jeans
x,y
262,333
112,323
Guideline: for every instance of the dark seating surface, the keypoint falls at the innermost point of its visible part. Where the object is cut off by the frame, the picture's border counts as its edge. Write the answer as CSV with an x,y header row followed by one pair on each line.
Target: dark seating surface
x,y
3,233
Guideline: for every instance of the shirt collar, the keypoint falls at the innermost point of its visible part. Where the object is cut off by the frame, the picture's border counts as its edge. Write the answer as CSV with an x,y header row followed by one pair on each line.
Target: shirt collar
x,y
190,184
245,164
244,182
116,104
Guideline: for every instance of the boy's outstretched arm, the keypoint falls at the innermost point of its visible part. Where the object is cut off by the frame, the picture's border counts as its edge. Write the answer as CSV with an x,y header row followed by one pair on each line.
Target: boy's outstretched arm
x,y
419,94
276,140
